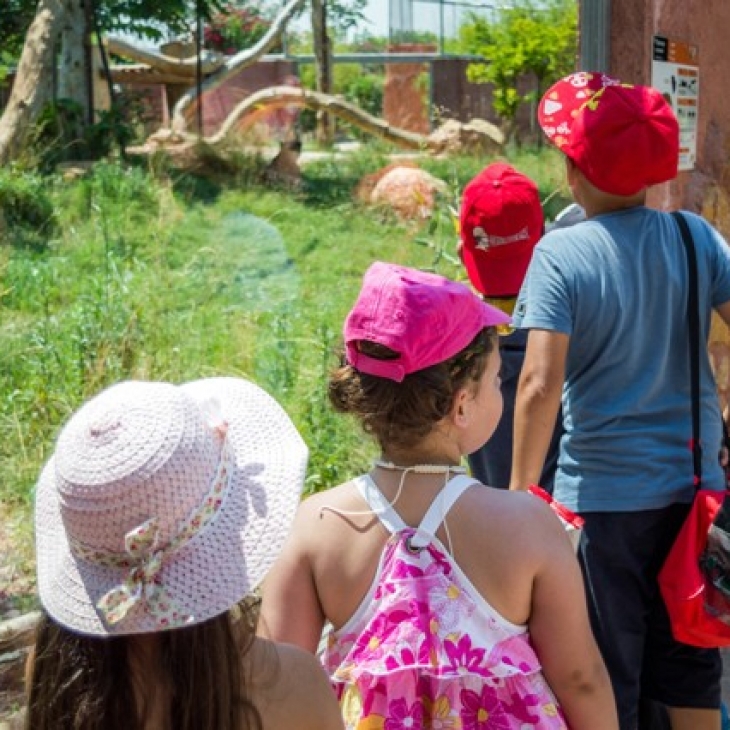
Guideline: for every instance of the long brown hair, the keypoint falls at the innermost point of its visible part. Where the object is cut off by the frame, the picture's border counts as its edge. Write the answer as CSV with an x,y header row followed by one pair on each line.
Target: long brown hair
x,y
79,682
399,415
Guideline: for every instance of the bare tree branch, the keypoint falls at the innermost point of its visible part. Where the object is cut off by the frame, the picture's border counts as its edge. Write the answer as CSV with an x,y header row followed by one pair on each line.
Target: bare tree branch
x,y
236,63
291,95
186,67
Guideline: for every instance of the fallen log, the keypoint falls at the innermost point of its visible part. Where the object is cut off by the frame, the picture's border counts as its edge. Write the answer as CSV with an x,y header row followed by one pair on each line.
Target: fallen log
x,y
18,633
277,96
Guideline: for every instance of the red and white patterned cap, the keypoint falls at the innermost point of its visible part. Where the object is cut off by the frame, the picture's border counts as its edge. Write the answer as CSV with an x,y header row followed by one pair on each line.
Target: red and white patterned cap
x,y
623,138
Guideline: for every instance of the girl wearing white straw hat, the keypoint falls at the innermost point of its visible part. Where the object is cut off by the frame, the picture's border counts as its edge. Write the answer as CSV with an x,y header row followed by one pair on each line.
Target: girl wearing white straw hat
x,y
160,511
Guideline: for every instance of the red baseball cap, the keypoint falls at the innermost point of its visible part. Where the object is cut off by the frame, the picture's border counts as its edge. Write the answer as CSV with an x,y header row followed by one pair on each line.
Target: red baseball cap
x,y
623,138
423,317
500,223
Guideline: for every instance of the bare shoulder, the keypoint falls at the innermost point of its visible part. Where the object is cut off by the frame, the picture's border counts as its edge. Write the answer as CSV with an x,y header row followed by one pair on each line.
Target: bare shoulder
x,y
514,515
289,684
330,507
341,495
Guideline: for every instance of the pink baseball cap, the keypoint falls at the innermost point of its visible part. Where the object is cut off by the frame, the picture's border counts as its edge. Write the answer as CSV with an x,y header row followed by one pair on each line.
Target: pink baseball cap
x,y
500,223
424,318
623,138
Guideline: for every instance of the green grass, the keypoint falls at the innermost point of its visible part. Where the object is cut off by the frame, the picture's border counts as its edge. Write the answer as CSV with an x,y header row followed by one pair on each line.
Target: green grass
x,y
163,276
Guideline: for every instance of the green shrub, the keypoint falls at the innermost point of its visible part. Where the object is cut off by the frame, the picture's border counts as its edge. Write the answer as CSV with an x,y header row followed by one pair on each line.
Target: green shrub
x,y
26,210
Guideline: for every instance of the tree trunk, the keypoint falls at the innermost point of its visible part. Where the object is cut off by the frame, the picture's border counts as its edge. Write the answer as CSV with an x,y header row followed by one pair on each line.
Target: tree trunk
x,y
323,68
33,86
73,76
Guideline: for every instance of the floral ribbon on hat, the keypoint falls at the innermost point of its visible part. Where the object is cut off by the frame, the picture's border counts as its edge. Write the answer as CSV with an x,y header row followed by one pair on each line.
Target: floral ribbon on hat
x,y
144,558
143,581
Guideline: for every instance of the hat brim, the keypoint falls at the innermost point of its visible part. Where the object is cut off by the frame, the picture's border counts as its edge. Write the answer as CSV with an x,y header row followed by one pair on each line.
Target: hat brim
x,y
220,565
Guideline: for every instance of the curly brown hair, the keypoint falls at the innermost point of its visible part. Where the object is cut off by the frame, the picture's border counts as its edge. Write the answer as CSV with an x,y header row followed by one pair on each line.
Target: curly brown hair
x,y
400,415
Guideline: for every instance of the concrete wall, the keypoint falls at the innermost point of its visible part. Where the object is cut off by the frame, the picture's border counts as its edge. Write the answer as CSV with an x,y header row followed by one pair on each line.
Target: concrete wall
x,y
220,102
455,97
705,189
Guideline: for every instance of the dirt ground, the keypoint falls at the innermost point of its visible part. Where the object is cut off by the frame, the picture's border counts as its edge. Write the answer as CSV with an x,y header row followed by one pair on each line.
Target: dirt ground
x,y
17,596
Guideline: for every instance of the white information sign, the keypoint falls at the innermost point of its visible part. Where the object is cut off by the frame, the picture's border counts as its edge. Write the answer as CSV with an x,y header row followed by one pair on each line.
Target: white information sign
x,y
675,73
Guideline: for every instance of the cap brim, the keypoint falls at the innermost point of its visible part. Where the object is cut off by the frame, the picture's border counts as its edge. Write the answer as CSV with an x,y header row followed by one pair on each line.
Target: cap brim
x,y
493,316
220,565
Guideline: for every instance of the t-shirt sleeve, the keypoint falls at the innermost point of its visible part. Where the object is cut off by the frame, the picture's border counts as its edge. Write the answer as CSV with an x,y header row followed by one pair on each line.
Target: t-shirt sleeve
x,y
544,301
720,268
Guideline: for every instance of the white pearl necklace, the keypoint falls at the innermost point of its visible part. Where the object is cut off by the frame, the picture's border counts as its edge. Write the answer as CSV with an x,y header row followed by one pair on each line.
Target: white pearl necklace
x,y
420,468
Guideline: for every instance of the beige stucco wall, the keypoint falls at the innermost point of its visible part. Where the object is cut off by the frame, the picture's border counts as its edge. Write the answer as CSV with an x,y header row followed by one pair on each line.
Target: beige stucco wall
x,y
706,189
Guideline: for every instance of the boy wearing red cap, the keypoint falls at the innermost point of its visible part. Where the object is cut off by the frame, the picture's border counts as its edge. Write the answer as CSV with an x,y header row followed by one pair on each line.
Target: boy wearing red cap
x,y
500,222
605,303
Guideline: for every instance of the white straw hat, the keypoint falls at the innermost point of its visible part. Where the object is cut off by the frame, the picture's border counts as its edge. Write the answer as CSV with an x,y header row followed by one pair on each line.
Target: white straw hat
x,y
164,505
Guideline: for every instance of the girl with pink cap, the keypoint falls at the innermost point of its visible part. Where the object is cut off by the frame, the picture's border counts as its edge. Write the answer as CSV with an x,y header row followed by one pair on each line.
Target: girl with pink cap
x,y
445,603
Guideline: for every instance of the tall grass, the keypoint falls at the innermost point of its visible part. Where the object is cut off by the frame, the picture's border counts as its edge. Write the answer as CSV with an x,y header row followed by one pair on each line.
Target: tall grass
x,y
153,276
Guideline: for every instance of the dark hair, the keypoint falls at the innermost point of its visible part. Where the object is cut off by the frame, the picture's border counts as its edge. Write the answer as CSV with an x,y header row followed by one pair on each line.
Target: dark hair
x,y
399,415
80,682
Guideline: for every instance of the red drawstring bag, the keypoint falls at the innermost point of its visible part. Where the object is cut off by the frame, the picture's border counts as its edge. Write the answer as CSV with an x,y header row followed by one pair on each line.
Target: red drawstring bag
x,y
691,579
684,587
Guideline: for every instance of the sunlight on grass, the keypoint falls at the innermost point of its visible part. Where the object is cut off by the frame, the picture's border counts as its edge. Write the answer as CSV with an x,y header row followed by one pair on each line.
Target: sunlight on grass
x,y
160,277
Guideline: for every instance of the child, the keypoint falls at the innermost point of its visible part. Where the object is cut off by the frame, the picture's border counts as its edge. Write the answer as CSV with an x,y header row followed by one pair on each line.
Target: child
x,y
451,607
605,303
500,223
161,509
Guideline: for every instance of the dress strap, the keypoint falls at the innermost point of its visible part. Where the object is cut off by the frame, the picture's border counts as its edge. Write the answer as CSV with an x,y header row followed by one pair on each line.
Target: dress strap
x,y
453,489
379,505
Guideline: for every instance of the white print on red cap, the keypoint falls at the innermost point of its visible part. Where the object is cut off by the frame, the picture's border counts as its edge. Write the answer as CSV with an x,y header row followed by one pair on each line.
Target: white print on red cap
x,y
484,241
579,80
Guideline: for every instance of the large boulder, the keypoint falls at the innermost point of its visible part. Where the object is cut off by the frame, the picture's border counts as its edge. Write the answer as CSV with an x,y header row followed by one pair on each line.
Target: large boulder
x,y
364,189
409,191
475,137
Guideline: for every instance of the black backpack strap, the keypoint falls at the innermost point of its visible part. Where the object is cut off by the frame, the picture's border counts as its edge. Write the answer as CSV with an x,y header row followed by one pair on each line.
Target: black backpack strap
x,y
693,317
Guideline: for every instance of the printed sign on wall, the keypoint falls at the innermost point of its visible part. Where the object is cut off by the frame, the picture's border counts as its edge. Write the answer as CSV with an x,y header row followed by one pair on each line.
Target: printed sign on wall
x,y
675,73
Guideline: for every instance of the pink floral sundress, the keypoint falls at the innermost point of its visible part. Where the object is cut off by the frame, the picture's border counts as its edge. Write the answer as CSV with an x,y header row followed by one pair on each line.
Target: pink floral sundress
x,y
425,650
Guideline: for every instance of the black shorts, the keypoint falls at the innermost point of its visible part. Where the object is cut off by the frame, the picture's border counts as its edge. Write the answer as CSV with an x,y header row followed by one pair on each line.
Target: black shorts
x,y
620,555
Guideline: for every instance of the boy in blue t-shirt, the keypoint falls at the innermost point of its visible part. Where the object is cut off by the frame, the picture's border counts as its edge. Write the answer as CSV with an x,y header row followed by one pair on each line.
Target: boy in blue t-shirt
x,y
605,303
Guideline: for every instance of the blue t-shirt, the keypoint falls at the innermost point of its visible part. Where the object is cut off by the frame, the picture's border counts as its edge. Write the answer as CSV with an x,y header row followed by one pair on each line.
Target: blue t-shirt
x,y
617,285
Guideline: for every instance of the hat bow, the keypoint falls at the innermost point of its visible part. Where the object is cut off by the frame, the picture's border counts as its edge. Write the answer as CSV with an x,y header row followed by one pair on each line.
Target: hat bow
x,y
142,584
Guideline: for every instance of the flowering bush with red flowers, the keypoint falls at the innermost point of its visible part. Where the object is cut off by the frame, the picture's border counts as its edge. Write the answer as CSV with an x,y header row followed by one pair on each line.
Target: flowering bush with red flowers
x,y
235,28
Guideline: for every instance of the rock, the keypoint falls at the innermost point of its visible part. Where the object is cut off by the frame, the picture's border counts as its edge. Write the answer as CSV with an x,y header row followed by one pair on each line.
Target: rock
x,y
74,170
165,138
409,191
475,137
364,189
